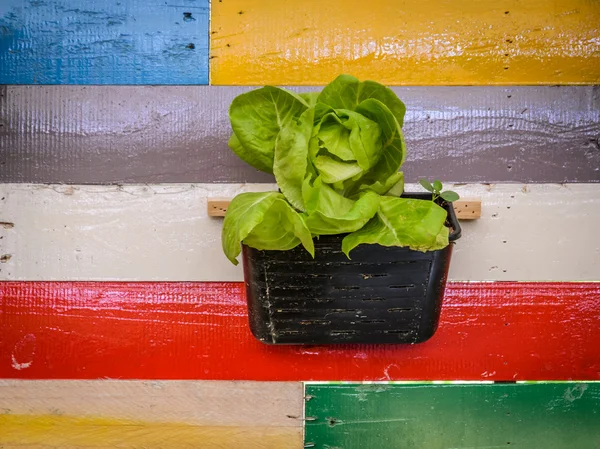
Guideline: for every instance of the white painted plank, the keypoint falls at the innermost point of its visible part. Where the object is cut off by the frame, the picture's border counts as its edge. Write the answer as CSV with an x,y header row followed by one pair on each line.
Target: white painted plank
x,y
161,232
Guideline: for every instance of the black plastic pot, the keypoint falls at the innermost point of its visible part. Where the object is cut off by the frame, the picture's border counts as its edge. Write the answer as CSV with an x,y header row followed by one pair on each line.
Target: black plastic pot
x,y
382,295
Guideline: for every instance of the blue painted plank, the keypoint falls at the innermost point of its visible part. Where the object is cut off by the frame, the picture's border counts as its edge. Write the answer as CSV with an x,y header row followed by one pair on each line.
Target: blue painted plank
x,y
104,41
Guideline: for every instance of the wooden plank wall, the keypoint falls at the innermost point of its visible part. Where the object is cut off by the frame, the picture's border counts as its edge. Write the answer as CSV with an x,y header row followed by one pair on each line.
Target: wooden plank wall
x,y
451,415
150,414
502,331
104,42
151,134
430,42
163,233
122,324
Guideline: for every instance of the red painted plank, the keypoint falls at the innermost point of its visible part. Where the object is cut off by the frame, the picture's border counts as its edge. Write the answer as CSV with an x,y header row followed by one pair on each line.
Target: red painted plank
x,y
494,331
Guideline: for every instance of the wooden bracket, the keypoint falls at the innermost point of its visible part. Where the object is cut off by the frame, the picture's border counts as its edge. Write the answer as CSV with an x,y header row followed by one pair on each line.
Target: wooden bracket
x,y
466,209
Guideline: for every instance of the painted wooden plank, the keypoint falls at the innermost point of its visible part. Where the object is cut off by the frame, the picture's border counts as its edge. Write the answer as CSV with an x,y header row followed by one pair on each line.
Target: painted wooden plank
x,y
488,331
415,416
465,209
428,42
163,233
105,413
104,42
102,134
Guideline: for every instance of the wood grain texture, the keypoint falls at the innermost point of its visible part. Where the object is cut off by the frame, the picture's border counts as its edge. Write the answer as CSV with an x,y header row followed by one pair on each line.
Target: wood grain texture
x,y
163,233
464,209
467,208
459,416
127,134
410,43
488,331
104,42
105,413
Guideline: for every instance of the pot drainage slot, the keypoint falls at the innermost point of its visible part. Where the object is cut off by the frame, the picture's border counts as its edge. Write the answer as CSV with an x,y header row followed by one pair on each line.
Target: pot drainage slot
x,y
400,309
374,275
341,333
372,321
288,332
347,287
397,332
407,286
289,310
317,322
344,311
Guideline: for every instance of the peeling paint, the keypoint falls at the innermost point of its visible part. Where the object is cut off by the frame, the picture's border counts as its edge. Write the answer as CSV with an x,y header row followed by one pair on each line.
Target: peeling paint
x,y
575,392
103,42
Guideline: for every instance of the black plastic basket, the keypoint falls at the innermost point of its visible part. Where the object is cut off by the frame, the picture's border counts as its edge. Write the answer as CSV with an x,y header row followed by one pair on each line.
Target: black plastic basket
x,y
382,295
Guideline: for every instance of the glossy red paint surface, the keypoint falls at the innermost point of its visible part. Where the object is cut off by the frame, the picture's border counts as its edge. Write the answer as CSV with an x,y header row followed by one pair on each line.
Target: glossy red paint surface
x,y
488,331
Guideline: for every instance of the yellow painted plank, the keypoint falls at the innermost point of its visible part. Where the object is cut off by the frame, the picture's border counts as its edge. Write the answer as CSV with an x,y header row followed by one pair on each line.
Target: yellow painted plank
x,y
426,42
151,414
74,432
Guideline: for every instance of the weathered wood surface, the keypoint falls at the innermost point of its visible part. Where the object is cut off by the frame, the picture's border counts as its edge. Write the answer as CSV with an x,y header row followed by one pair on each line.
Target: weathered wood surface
x,y
157,414
488,331
159,232
403,42
104,42
459,416
102,134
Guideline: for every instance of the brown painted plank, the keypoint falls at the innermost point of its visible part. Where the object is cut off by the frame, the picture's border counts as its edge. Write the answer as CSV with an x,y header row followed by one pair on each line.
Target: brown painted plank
x,y
129,134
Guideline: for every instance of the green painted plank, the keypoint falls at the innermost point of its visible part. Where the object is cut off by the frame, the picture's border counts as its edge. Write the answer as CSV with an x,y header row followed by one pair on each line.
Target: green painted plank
x,y
453,416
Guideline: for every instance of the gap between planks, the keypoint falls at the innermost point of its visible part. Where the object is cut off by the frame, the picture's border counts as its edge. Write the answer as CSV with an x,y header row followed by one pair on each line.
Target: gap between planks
x,y
465,209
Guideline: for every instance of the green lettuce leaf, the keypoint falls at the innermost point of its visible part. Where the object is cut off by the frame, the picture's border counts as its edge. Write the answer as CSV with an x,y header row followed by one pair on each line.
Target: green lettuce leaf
x,y
333,171
291,157
257,118
393,186
328,212
394,149
350,137
310,98
336,157
263,221
417,224
335,137
365,138
347,92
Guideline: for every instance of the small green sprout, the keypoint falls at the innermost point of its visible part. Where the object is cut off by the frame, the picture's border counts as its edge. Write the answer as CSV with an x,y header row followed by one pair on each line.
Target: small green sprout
x,y
436,191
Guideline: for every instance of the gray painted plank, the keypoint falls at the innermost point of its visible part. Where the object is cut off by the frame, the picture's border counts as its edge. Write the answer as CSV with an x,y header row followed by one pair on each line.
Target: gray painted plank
x,y
126,134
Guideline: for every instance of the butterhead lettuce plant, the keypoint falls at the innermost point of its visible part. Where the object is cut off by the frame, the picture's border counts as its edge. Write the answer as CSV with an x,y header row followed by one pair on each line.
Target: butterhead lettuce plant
x,y
336,156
